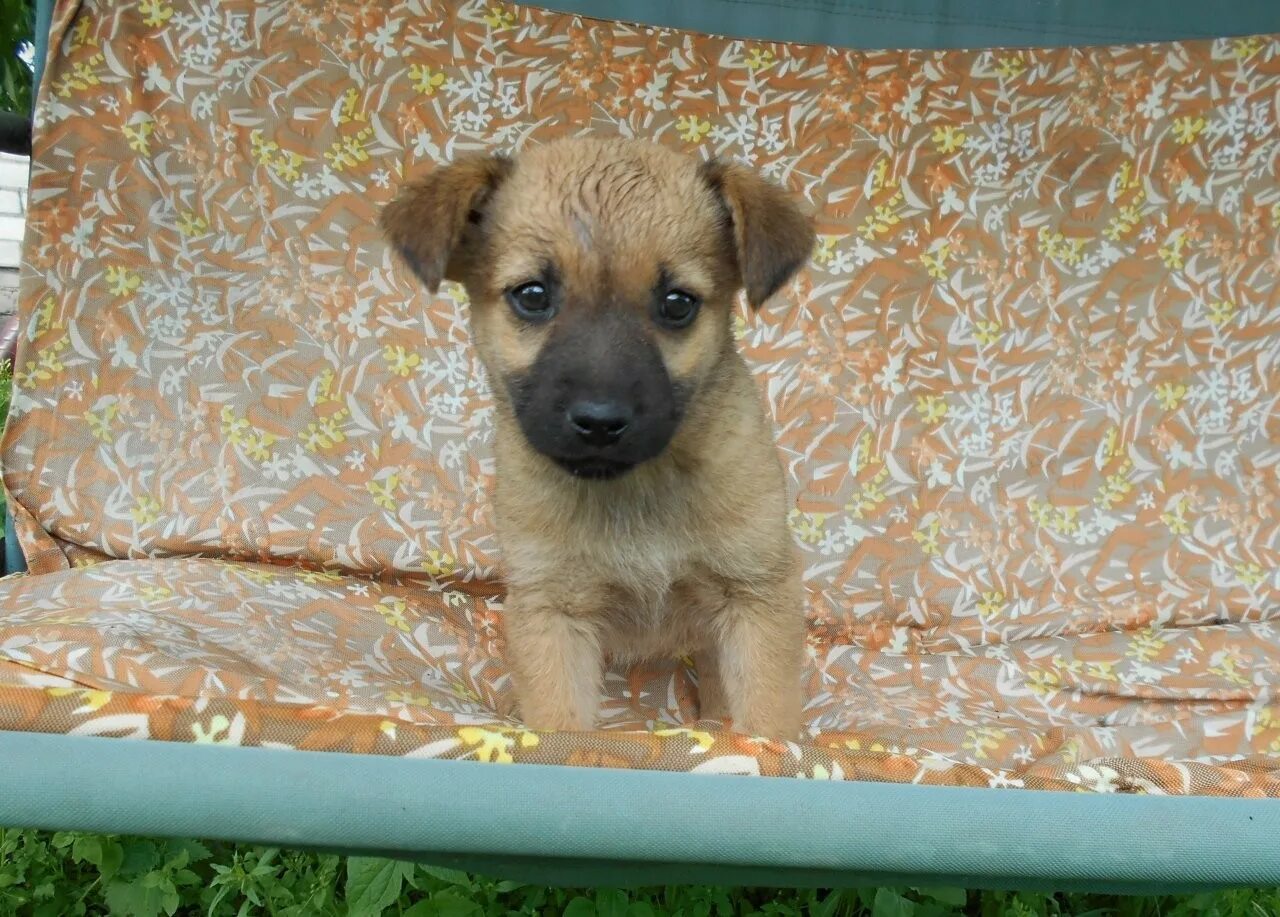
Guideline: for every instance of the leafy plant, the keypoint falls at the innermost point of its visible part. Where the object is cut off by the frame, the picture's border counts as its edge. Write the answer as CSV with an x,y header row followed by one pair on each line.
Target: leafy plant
x,y
6,393
49,875
17,32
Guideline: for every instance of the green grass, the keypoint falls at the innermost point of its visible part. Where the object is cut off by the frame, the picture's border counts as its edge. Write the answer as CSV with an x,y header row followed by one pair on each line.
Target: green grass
x,y
50,875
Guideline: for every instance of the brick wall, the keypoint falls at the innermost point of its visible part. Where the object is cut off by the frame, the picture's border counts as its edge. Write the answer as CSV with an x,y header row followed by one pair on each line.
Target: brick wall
x,y
13,208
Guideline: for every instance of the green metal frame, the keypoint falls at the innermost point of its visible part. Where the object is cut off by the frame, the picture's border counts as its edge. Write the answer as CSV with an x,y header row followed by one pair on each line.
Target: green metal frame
x,y
945,23
580,826
576,826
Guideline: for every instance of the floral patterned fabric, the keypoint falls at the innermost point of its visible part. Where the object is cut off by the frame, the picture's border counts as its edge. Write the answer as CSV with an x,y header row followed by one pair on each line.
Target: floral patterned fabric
x,y
1026,393
209,651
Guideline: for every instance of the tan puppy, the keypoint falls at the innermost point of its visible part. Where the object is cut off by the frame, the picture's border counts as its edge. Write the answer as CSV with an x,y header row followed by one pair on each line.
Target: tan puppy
x,y
640,503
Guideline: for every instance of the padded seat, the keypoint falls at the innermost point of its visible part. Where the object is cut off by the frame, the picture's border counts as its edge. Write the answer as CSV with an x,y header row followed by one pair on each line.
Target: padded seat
x,y
207,651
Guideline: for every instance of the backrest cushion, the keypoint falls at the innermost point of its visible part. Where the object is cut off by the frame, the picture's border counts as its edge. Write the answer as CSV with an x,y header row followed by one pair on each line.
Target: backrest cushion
x,y
1027,384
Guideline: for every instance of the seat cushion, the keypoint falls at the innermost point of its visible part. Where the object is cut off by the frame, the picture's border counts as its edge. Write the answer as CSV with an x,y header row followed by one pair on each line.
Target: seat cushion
x,y
196,650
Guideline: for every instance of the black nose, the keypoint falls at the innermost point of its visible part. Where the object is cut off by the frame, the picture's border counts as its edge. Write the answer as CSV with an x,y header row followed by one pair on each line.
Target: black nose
x,y
600,423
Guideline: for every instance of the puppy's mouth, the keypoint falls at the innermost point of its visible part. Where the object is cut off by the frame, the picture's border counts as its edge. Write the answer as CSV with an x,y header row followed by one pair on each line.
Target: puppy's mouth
x,y
594,469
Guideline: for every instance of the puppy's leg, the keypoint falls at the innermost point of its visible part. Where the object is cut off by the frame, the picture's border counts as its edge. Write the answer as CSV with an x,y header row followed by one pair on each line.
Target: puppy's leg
x,y
712,704
557,664
761,637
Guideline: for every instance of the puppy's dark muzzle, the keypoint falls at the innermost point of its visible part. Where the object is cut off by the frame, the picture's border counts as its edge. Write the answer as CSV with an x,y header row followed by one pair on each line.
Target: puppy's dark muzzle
x,y
597,400
599,423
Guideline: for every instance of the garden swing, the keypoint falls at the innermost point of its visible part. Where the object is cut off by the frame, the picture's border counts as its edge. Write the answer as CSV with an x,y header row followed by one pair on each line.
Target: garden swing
x,y
1025,392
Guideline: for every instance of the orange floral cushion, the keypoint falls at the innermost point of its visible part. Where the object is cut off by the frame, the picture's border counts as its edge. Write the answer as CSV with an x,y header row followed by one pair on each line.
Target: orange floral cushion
x,y
1025,391
202,650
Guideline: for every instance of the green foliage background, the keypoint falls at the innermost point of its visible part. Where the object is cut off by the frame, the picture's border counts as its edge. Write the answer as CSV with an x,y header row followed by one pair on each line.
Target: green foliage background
x,y
17,26
51,875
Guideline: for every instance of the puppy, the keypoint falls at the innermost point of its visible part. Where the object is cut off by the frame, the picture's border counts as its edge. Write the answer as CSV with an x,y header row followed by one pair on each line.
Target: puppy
x,y
640,504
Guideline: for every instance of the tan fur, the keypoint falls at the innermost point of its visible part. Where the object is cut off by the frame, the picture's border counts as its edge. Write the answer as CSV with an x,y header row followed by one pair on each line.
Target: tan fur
x,y
690,551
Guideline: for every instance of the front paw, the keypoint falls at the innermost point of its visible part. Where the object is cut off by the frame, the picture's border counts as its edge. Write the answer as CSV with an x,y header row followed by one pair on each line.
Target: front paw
x,y
561,721
556,667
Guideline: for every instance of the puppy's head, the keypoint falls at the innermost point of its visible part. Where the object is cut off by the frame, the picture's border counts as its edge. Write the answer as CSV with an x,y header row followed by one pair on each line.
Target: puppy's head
x,y
602,275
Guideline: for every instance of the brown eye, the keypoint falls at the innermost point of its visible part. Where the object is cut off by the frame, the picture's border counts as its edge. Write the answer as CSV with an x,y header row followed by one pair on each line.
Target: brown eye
x,y
677,309
531,301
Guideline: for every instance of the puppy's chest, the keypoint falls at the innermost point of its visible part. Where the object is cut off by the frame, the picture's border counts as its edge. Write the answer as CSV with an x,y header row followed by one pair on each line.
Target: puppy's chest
x,y
646,547
658,581
649,623
643,565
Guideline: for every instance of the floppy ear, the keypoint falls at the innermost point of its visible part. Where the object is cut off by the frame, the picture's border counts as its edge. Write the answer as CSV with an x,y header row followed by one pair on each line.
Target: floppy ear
x,y
772,236
431,218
